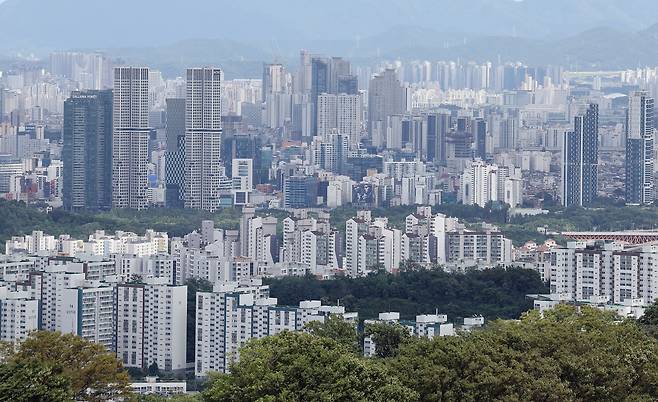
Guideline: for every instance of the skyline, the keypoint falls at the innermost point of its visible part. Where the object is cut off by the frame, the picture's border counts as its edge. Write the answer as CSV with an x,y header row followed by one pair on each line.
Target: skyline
x,y
323,199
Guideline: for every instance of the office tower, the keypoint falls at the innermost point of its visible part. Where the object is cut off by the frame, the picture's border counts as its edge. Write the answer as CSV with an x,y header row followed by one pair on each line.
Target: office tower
x,y
242,173
347,84
151,324
480,136
508,133
330,153
639,149
580,160
203,138
130,140
87,150
438,125
273,80
300,192
338,68
175,156
386,97
304,75
319,85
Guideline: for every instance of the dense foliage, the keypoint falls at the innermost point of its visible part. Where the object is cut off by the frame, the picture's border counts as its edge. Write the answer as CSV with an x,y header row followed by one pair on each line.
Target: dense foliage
x,y
493,293
568,355
51,366
304,367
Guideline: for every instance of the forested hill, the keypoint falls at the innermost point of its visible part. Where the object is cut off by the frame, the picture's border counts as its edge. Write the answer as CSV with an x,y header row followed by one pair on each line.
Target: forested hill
x,y
493,293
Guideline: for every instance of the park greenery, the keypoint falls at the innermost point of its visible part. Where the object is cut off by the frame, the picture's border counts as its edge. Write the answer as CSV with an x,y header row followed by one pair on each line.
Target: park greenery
x,y
493,293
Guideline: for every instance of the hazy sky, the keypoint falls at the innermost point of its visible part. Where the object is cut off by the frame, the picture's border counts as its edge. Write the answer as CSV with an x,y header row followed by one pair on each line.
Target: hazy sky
x,y
575,31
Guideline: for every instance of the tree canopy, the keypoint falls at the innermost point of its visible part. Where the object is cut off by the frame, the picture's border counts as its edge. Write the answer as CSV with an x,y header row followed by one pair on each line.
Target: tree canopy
x,y
304,367
568,354
493,293
73,366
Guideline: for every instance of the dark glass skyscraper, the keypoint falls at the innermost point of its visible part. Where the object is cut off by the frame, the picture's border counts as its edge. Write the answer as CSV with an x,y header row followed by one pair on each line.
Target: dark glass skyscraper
x,y
87,151
175,157
300,192
480,136
639,149
319,85
581,160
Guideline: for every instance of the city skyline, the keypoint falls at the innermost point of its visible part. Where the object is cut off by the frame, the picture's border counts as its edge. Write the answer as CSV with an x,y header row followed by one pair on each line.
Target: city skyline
x,y
323,200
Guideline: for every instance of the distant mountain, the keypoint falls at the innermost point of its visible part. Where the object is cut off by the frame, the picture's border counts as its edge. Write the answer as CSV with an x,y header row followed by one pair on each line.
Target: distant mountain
x,y
241,34
46,24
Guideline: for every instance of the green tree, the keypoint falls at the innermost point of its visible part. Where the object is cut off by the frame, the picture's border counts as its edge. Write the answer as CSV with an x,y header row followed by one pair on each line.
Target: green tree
x,y
153,370
303,367
650,316
33,381
93,373
649,320
387,337
568,354
338,329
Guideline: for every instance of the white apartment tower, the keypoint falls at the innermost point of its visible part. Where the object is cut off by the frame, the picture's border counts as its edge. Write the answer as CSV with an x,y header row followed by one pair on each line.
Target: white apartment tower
x,y
203,138
151,325
130,120
19,315
340,113
349,117
88,311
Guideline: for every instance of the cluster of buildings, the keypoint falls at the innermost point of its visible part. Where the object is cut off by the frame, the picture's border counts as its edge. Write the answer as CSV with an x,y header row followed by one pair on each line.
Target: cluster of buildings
x,y
86,134
128,292
610,270
580,155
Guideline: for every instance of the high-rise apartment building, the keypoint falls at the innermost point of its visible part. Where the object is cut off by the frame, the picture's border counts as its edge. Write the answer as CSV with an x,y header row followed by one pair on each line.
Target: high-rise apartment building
x,y
640,140
274,76
88,311
87,151
130,153
151,324
234,313
203,138
580,159
482,183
